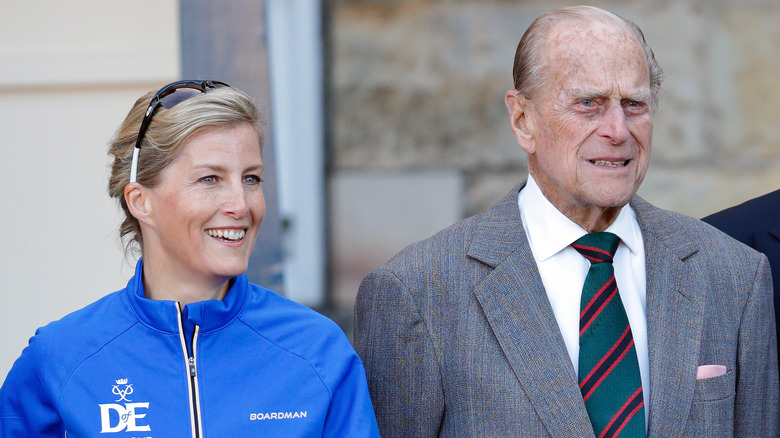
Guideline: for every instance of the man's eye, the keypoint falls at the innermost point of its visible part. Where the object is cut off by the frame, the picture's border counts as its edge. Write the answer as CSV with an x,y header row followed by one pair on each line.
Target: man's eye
x,y
586,102
636,107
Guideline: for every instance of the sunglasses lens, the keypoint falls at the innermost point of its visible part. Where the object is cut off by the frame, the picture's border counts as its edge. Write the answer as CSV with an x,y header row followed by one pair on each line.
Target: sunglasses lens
x,y
178,96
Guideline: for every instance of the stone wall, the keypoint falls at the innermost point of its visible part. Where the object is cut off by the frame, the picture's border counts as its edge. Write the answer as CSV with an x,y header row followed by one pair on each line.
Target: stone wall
x,y
418,86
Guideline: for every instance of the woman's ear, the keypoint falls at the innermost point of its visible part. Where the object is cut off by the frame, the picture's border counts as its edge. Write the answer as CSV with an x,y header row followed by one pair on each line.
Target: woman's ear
x,y
521,120
138,202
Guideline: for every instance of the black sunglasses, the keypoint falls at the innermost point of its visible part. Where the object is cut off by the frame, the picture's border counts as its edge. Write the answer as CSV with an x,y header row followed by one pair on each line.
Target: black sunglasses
x,y
168,97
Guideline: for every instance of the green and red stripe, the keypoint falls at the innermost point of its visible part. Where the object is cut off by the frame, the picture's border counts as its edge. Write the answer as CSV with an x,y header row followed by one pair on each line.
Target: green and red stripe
x,y
599,301
624,415
607,363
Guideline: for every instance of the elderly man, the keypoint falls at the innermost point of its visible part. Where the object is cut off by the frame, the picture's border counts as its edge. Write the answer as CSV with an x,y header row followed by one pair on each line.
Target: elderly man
x,y
572,307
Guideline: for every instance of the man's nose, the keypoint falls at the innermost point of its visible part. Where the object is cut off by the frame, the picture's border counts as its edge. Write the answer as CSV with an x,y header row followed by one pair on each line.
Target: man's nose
x,y
613,124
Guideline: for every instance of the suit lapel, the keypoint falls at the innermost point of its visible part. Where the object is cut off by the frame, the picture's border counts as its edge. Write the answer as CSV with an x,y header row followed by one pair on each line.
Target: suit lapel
x,y
674,318
519,313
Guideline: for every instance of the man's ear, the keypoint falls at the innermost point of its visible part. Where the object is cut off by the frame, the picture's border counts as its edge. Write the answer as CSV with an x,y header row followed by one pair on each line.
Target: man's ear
x,y
138,202
520,112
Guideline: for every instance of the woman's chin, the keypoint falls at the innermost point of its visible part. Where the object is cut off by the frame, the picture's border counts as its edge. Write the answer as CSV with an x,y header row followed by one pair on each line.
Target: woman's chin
x,y
224,271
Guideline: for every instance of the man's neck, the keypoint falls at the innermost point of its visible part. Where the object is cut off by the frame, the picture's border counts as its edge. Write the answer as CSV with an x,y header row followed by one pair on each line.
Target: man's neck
x,y
590,217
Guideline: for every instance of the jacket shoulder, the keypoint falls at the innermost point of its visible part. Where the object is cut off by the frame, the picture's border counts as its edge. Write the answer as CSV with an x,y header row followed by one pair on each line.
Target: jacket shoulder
x,y
687,235
96,323
297,330
58,348
273,315
742,220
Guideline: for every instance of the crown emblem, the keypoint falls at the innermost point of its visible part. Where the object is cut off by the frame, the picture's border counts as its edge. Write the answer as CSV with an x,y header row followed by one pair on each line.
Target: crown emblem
x,y
121,382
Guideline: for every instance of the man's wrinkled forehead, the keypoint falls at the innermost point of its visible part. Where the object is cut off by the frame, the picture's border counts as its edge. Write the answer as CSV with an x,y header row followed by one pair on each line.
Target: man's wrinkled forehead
x,y
579,46
575,39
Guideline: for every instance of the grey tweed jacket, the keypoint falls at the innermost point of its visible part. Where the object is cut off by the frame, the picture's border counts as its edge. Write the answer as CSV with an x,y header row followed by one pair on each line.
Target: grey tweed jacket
x,y
459,340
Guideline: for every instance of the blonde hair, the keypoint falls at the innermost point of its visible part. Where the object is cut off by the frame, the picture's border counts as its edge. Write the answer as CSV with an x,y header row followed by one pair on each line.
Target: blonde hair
x,y
164,141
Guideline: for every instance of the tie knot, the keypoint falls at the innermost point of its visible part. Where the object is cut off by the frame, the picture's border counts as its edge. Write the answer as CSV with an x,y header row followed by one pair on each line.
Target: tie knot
x,y
597,247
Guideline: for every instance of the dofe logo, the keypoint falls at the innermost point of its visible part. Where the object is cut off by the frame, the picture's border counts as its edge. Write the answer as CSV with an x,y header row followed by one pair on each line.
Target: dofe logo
x,y
117,418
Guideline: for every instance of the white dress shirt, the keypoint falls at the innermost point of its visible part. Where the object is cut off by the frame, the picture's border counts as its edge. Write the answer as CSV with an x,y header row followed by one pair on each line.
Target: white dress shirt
x,y
563,270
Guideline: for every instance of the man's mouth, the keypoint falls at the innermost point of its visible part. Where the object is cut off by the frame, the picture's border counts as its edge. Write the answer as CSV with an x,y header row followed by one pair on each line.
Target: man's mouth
x,y
227,235
610,163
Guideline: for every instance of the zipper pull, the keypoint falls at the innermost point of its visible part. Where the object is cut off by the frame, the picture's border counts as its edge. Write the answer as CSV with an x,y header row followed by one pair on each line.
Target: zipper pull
x,y
192,367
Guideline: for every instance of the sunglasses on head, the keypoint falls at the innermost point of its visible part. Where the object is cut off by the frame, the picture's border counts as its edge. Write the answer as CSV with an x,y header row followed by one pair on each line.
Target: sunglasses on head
x,y
168,97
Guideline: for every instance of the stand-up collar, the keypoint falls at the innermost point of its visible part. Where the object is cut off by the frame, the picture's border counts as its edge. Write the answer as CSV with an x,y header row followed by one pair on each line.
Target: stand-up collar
x,y
163,314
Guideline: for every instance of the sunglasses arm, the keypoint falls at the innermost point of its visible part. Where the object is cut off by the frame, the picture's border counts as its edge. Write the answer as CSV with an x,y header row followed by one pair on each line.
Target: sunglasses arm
x,y
134,165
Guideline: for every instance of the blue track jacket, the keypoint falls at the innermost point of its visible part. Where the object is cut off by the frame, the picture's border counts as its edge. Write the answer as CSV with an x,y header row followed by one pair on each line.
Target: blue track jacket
x,y
252,365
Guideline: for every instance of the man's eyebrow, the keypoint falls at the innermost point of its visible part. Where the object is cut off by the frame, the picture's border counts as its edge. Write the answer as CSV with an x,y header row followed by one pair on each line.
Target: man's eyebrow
x,y
587,91
642,94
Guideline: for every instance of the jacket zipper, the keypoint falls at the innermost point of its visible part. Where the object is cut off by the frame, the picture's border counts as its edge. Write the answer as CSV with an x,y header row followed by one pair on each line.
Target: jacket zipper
x,y
192,371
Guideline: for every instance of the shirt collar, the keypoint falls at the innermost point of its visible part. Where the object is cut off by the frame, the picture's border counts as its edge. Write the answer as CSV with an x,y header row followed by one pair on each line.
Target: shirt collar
x,y
549,231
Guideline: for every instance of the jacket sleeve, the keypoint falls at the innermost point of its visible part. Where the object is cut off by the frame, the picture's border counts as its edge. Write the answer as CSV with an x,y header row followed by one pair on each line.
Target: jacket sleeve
x,y
756,405
27,408
402,366
350,413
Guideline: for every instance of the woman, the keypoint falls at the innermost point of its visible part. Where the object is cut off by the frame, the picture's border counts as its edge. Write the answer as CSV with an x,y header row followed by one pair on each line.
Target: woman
x,y
189,347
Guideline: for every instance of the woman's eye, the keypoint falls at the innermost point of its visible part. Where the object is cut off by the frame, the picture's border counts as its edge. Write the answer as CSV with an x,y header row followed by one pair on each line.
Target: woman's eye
x,y
211,179
252,179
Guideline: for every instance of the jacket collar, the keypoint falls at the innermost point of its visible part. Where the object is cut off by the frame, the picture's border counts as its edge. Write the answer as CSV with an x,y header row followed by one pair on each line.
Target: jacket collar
x,y
499,232
163,314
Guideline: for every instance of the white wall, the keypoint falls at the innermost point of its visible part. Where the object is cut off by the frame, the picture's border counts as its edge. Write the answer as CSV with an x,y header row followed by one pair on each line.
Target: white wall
x,y
69,73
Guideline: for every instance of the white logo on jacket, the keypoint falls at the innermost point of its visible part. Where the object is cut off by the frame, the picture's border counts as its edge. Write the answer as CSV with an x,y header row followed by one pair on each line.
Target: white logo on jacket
x,y
123,418
122,393
277,415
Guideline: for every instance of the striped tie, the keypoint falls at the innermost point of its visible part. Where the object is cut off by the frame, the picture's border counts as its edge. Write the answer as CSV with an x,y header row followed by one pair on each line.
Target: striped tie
x,y
608,367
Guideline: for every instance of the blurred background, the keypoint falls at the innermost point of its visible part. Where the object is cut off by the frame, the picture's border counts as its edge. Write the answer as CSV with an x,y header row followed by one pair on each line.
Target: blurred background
x,y
386,123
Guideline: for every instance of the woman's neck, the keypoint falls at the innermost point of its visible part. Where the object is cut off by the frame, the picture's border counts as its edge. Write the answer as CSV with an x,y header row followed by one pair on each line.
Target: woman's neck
x,y
182,288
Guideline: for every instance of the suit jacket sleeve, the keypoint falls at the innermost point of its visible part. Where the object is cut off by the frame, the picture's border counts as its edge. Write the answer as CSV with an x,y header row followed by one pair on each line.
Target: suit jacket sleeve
x,y
402,364
756,406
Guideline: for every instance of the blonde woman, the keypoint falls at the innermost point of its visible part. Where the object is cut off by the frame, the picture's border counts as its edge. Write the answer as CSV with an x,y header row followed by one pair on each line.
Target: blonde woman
x,y
189,347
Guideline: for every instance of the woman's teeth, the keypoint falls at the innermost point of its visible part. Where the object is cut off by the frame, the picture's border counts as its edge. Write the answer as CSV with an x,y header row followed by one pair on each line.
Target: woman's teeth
x,y
232,235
